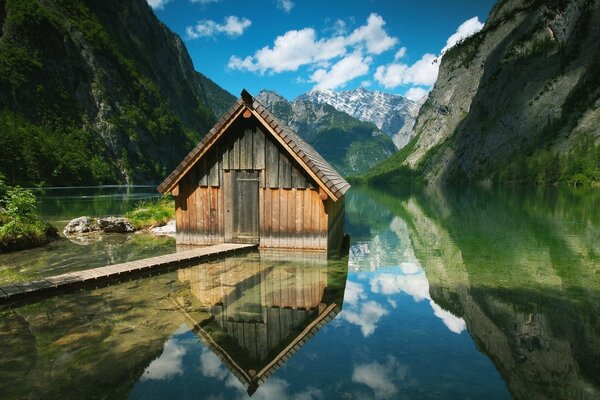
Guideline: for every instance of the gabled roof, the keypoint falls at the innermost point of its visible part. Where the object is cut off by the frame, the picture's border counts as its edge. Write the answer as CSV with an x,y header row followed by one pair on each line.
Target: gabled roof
x,y
307,157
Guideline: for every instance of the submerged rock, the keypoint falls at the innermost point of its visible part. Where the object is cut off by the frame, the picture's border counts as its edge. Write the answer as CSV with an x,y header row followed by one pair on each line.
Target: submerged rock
x,y
81,225
167,229
116,225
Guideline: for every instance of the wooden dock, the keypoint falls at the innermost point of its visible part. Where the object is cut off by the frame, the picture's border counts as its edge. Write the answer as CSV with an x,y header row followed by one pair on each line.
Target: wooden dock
x,y
110,272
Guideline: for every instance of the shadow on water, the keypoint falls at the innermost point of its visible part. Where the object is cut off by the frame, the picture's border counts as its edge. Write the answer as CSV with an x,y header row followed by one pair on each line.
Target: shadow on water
x,y
522,268
131,339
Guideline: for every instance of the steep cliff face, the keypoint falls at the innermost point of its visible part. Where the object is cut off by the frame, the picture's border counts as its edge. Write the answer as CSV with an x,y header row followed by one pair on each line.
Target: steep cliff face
x,y
350,145
515,102
96,92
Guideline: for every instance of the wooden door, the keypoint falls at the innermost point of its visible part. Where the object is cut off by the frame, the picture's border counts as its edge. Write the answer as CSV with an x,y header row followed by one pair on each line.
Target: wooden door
x,y
244,204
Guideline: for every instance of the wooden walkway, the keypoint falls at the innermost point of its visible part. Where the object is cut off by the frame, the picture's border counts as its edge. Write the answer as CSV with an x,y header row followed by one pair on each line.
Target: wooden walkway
x,y
68,280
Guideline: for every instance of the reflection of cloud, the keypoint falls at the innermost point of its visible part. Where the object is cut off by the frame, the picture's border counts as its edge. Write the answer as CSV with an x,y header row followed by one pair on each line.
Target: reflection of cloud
x,y
275,388
365,316
454,323
353,293
415,285
168,364
211,366
380,377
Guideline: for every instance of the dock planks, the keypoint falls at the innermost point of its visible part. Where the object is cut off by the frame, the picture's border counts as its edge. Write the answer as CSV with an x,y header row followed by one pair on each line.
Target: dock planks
x,y
44,285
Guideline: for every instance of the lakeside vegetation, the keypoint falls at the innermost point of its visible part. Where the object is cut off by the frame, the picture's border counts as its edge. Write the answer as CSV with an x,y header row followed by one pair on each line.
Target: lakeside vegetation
x,y
20,226
151,213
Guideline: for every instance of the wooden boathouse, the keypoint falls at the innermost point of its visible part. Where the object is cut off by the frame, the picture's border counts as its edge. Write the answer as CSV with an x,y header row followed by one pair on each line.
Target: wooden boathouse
x,y
251,179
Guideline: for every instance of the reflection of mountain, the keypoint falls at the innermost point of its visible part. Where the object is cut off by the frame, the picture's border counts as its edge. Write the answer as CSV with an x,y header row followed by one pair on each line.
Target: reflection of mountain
x,y
519,268
261,314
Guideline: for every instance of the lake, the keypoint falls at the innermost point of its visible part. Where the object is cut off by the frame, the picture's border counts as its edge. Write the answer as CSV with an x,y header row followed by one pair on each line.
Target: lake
x,y
445,294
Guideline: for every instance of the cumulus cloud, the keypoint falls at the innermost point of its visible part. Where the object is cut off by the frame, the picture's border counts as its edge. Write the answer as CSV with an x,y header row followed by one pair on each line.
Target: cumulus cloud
x,y
466,29
285,5
158,4
348,68
373,36
232,26
416,93
400,53
336,59
425,71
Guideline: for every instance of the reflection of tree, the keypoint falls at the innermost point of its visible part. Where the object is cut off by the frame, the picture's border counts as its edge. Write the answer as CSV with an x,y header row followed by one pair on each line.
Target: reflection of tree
x,y
519,267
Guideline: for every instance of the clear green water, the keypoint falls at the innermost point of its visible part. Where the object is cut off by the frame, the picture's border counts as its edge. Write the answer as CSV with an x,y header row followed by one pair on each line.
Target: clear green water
x,y
444,294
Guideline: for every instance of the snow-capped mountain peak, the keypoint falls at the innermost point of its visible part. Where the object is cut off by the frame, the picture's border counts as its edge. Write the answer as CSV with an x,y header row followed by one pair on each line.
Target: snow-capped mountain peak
x,y
393,114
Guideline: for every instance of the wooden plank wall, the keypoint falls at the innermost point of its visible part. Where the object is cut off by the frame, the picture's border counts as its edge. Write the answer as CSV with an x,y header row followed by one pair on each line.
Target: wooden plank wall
x,y
292,219
335,231
291,214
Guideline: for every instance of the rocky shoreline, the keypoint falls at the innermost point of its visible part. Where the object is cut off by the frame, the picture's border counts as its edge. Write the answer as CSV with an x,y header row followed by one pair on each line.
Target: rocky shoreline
x,y
87,225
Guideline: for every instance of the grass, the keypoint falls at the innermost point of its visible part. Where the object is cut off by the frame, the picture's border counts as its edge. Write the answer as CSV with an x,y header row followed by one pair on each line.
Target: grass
x,y
151,213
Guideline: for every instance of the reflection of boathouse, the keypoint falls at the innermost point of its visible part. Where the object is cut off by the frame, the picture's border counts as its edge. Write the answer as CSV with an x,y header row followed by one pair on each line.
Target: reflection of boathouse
x,y
261,310
252,180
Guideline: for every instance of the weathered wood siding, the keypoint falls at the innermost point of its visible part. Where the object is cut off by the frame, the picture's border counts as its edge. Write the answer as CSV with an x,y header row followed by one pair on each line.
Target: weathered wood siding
x,y
292,218
291,213
335,224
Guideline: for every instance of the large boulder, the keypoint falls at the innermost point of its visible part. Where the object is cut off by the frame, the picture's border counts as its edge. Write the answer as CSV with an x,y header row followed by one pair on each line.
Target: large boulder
x,y
116,225
81,225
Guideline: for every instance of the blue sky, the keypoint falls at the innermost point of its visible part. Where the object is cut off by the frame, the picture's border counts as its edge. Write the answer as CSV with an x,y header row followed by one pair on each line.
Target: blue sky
x,y
293,46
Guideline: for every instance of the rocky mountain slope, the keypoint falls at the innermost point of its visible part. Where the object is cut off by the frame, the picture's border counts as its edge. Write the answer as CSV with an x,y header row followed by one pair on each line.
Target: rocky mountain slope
x,y
96,92
350,145
395,115
517,102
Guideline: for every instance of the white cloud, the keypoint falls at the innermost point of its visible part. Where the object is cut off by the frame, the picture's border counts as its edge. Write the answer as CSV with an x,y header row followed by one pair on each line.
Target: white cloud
x,y
366,83
204,1
285,5
336,59
158,4
373,36
348,68
416,94
425,71
466,29
232,26
400,53
290,51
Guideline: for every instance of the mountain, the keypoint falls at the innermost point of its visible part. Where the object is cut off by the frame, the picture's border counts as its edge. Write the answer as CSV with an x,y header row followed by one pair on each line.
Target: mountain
x,y
97,92
517,102
395,115
350,145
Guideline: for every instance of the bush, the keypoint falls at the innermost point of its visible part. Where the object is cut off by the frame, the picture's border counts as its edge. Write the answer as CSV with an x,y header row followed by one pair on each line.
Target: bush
x,y
20,227
152,213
